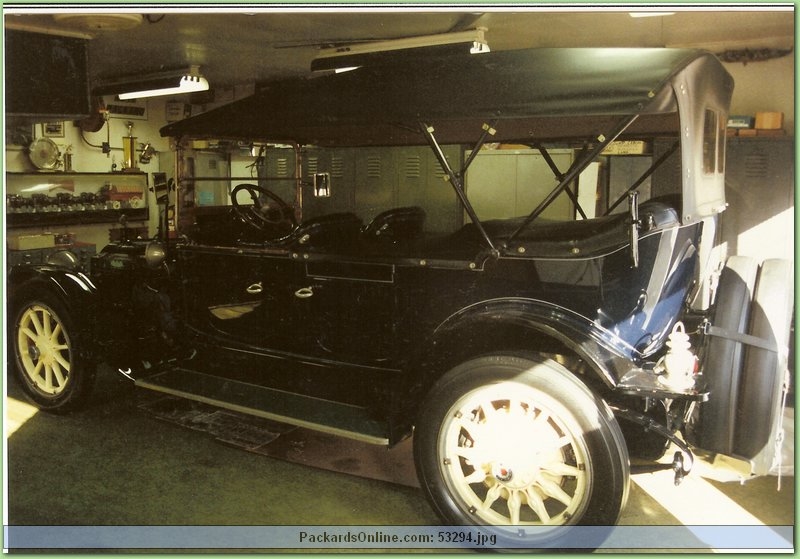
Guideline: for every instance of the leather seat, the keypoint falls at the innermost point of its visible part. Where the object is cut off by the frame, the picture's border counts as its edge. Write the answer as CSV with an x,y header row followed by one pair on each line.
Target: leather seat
x,y
339,230
395,225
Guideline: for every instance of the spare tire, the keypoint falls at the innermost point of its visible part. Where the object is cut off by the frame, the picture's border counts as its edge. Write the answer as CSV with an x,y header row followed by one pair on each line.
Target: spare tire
x,y
722,365
764,374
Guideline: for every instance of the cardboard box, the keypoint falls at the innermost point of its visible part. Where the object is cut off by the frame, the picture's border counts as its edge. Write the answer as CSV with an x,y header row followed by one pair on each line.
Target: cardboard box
x,y
769,120
30,242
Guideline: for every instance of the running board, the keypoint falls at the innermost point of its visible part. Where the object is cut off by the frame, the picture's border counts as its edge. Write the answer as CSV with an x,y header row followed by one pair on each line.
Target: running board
x,y
317,414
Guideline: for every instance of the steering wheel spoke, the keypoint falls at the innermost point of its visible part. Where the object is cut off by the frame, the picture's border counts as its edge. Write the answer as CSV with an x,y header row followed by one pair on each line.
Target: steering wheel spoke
x,y
261,214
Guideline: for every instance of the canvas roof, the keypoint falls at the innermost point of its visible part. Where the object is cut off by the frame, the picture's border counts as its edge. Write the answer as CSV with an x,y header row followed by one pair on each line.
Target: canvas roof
x,y
530,94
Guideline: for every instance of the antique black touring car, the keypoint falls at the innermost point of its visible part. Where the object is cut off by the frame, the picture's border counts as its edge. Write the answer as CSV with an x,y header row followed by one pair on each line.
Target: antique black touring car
x,y
533,333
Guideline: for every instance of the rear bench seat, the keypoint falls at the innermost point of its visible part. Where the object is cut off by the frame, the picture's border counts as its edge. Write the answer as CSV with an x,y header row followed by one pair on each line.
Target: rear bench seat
x,y
569,239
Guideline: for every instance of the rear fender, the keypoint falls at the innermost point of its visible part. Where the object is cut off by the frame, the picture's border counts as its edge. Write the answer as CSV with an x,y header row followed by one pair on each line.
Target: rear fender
x,y
520,324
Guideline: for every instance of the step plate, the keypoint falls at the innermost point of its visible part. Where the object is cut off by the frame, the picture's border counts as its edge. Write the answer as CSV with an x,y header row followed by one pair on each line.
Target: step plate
x,y
304,411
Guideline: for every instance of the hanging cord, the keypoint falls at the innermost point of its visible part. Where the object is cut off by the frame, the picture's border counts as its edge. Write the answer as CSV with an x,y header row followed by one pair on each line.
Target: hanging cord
x,y
108,138
91,145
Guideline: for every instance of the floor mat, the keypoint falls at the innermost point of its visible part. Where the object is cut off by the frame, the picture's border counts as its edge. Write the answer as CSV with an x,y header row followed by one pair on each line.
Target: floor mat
x,y
226,426
289,443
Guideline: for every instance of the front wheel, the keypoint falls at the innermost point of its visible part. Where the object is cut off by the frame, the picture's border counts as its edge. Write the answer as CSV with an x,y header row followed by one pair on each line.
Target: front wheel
x,y
520,442
53,374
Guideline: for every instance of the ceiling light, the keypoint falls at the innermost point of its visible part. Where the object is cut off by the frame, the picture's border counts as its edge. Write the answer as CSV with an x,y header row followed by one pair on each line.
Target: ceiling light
x,y
650,14
187,84
348,56
344,69
99,21
175,82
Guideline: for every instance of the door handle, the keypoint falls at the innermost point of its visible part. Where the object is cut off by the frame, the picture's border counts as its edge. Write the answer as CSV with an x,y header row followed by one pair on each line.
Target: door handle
x,y
304,292
254,289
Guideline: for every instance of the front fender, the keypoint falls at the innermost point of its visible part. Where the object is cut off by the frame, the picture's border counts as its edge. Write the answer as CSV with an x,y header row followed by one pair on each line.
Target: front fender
x,y
523,323
74,289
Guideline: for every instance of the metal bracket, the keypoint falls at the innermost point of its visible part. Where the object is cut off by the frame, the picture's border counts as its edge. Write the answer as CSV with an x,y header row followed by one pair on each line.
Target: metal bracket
x,y
488,130
682,461
635,224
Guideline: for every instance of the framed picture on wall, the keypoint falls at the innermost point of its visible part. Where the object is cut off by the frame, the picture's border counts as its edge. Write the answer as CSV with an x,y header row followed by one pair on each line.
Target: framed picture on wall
x,y
53,129
18,133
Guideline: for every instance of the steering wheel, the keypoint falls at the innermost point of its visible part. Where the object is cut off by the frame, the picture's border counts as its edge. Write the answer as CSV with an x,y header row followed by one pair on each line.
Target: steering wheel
x,y
259,215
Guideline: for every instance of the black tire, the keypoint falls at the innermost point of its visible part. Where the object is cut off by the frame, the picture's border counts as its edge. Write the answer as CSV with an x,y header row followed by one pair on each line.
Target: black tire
x,y
575,472
45,355
759,410
722,366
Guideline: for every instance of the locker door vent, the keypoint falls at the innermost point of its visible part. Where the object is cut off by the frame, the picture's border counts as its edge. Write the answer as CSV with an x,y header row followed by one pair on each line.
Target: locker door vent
x,y
337,166
374,167
756,165
313,165
283,167
413,167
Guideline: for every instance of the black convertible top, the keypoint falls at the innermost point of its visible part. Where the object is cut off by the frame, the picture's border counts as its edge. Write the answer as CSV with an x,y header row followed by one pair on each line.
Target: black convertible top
x,y
529,93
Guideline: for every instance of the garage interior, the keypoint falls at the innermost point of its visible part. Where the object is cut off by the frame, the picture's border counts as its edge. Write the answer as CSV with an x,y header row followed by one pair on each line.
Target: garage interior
x,y
135,459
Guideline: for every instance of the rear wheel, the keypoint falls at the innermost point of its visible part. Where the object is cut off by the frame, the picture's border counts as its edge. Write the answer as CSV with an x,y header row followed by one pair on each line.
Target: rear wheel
x,y
509,441
44,355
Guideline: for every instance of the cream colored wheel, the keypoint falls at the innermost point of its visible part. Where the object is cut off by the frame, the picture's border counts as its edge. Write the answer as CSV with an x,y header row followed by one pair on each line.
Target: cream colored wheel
x,y
46,356
44,350
521,444
514,456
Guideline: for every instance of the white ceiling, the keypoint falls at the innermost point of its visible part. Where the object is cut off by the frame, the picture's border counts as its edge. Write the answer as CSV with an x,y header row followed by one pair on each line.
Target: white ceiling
x,y
236,47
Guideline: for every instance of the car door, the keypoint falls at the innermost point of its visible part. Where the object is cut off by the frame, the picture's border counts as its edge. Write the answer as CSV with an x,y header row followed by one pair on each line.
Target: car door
x,y
244,296
349,310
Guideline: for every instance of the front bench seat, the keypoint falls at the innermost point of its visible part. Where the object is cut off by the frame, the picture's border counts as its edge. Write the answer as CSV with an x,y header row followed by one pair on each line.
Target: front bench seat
x,y
395,226
338,231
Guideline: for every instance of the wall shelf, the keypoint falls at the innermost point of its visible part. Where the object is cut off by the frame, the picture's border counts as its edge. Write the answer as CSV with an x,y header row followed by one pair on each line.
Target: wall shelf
x,y
54,198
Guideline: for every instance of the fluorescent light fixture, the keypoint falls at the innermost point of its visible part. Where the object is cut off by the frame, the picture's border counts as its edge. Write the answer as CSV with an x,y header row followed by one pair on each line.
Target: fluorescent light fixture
x,y
344,69
170,82
349,56
188,83
650,14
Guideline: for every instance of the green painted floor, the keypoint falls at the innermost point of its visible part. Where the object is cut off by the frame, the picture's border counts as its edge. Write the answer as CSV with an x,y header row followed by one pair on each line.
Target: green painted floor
x,y
116,464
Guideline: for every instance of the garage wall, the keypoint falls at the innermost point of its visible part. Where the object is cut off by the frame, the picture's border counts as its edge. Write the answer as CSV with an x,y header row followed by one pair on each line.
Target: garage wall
x,y
759,190
760,177
88,157
765,86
